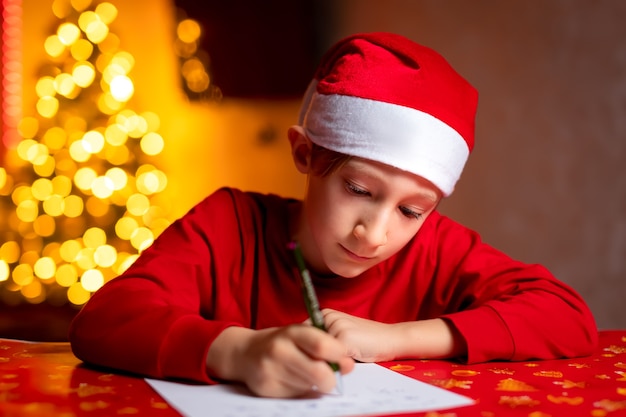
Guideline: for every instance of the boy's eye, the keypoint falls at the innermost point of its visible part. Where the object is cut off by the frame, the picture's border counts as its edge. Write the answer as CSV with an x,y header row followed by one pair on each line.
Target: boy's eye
x,y
410,213
356,190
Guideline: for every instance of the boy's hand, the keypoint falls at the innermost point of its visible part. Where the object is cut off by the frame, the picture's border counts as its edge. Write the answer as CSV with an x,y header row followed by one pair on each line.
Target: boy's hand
x,y
279,362
372,341
366,340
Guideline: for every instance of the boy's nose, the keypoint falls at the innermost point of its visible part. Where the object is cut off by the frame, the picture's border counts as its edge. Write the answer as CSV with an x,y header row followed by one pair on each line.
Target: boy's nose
x,y
373,233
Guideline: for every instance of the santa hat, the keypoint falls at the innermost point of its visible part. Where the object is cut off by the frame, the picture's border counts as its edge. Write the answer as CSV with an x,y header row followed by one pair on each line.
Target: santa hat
x,y
385,98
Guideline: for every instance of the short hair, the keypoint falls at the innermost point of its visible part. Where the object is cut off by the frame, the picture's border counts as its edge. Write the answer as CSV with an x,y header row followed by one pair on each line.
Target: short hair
x,y
325,161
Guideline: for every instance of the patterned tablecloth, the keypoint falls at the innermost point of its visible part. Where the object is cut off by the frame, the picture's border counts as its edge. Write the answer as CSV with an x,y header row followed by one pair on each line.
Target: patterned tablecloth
x,y
45,379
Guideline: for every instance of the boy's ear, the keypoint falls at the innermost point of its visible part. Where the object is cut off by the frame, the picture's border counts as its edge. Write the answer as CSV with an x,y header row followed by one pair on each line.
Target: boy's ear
x,y
301,147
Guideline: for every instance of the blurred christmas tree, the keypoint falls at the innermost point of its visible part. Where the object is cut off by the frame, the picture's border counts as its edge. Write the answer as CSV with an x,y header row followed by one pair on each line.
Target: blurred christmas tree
x,y
79,194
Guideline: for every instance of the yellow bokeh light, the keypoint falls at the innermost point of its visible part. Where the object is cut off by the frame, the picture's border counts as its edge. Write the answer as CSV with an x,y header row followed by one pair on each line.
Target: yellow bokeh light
x,y
64,85
142,238
135,125
33,292
118,177
107,12
122,88
54,138
66,275
27,211
124,61
94,237
77,294
115,135
22,274
4,270
73,206
42,188
117,155
69,250
23,148
44,166
198,81
152,143
125,263
83,74
78,152
97,207
61,8
81,50
47,106
68,33
92,280
125,227
21,193
10,252
86,18
93,141
3,177
110,44
45,88
52,250
97,31
44,225
53,46
80,5
102,187
148,183
45,268
188,31
54,205
85,260
105,256
138,204
107,104
37,153
84,177
61,185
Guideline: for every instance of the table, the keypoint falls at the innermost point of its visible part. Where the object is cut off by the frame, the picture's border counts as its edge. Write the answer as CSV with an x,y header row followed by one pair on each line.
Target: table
x,y
45,379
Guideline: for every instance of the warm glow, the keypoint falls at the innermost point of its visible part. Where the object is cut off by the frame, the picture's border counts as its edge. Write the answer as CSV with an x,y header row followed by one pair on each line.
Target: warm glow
x,y
79,189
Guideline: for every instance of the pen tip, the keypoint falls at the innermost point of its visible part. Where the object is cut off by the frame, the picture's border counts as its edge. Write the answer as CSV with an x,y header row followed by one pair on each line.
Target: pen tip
x,y
339,386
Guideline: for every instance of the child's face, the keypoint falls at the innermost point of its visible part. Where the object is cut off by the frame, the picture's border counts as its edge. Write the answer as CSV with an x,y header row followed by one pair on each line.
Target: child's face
x,y
363,213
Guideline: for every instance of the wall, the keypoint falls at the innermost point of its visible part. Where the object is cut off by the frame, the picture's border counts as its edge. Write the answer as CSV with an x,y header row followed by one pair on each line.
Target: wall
x,y
546,182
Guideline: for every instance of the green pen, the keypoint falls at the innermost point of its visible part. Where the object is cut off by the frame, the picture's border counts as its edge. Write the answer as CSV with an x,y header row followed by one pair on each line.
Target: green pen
x,y
312,304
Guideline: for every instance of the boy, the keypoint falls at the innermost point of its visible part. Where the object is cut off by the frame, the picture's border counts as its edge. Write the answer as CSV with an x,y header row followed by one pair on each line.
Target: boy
x,y
386,127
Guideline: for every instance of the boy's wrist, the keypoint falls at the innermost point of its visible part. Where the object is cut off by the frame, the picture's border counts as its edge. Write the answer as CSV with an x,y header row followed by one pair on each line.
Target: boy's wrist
x,y
224,356
428,339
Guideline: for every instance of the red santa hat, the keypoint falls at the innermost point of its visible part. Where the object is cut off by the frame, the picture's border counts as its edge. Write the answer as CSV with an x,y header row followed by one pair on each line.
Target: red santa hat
x,y
383,97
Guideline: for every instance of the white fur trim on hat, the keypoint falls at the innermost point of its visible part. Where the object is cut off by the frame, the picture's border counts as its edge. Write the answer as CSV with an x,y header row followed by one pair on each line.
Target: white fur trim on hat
x,y
395,135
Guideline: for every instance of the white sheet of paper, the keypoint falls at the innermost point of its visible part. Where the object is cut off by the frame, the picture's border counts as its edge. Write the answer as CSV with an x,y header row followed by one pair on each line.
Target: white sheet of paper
x,y
368,390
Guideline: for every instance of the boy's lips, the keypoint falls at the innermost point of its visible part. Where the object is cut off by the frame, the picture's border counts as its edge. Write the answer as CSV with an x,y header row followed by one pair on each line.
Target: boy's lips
x,y
355,256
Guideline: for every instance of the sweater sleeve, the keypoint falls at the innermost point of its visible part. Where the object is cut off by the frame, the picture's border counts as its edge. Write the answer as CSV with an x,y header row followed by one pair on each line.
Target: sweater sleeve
x,y
152,320
505,309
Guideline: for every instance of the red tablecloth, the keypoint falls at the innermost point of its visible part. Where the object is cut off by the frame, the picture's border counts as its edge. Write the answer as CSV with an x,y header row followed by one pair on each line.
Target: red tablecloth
x,y
45,379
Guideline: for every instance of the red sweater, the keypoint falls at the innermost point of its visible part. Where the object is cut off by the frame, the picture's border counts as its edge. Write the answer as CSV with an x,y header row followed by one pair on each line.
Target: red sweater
x,y
226,263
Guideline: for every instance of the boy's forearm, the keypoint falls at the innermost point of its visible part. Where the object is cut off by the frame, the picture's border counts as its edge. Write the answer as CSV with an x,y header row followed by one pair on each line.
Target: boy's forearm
x,y
429,339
